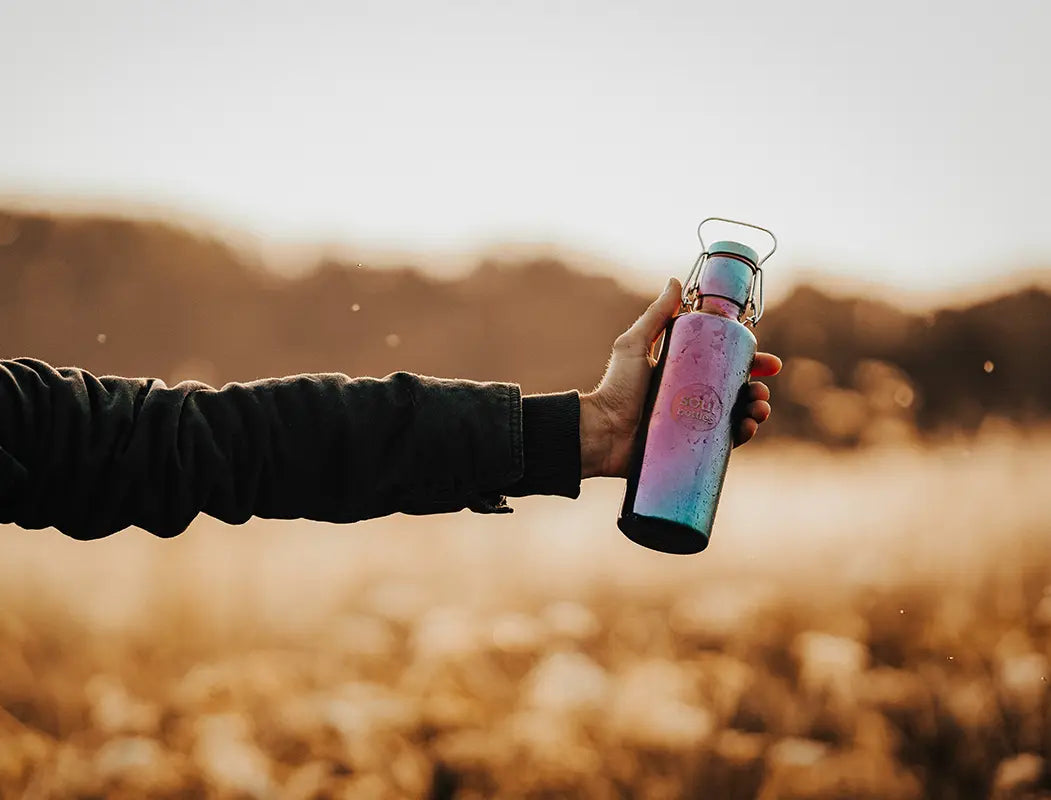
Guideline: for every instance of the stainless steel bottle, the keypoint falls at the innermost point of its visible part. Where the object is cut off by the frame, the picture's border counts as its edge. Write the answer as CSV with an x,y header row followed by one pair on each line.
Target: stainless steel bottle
x,y
684,440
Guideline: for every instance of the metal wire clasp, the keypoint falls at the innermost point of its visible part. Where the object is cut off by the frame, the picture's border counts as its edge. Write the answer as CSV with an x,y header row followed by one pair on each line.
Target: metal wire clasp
x,y
691,286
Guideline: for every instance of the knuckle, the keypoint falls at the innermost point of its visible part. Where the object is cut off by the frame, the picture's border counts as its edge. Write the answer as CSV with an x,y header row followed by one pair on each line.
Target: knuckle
x,y
625,343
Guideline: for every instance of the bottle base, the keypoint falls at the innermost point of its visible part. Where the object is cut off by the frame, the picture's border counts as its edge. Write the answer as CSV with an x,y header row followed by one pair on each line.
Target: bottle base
x,y
661,534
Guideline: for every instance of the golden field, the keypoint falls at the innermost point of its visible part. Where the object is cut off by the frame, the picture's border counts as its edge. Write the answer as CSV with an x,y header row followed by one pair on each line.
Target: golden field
x,y
866,624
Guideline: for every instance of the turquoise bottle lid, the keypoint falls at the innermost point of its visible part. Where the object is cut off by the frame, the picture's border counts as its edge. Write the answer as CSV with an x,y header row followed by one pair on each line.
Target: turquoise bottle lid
x,y
737,249
729,272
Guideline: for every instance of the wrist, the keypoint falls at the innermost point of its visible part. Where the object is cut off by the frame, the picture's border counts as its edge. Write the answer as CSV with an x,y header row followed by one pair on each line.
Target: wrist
x,y
594,437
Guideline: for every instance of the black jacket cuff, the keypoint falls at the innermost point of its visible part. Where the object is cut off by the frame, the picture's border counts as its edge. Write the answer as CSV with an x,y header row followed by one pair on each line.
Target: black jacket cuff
x,y
551,445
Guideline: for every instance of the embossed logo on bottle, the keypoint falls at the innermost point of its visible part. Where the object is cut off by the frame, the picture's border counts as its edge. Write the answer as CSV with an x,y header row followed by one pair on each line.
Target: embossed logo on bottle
x,y
697,407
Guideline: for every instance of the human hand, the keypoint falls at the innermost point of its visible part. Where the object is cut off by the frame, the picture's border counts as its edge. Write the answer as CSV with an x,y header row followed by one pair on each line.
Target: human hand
x,y
609,416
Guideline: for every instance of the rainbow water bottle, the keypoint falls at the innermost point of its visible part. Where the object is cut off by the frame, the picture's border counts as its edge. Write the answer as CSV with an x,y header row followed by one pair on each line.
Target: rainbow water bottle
x,y
684,439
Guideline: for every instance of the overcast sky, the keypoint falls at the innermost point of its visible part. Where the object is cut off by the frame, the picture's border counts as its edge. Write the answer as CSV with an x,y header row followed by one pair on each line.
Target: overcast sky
x,y
902,141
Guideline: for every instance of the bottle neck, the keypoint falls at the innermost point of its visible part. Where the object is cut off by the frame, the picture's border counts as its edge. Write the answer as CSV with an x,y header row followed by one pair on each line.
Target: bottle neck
x,y
720,306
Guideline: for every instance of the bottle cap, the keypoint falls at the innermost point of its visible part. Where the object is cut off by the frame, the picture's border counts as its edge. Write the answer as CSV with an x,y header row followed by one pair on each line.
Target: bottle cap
x,y
729,272
735,248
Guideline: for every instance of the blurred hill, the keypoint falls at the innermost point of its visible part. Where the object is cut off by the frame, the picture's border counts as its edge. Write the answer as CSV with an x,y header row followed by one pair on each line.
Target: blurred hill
x,y
139,298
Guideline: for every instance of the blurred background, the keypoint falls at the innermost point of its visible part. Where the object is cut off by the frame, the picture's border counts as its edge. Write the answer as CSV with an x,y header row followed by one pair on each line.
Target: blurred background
x,y
228,191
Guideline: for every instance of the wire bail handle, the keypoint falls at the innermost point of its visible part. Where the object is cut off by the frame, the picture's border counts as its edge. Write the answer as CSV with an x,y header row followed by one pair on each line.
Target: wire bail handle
x,y
691,288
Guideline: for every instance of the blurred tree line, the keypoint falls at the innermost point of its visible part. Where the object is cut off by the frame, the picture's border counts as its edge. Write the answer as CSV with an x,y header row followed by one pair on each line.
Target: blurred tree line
x,y
140,298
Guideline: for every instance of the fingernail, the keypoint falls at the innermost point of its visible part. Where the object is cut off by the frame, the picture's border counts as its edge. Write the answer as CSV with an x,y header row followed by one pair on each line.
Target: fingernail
x,y
668,285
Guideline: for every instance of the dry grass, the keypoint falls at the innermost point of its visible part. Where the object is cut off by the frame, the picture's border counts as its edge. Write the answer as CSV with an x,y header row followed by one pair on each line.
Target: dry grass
x,y
867,625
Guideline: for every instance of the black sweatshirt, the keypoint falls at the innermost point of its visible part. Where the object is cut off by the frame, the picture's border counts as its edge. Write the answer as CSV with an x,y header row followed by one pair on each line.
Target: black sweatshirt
x,y
91,456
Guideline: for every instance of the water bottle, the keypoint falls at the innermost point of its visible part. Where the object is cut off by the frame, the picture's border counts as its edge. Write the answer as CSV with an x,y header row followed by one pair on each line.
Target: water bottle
x,y
684,438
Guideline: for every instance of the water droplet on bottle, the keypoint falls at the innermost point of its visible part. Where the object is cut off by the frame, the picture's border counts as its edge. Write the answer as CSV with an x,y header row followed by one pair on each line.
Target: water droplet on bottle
x,y
988,366
355,307
393,340
101,338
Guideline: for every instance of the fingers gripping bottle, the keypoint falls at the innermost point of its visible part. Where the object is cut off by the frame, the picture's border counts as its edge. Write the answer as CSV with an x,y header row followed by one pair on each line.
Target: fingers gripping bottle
x,y
684,438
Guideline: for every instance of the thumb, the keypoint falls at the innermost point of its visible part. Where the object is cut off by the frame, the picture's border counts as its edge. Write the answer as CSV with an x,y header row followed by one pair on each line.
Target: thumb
x,y
653,320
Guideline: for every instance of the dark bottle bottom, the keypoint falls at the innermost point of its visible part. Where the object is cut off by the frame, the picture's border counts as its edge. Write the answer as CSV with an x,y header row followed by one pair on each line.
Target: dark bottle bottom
x,y
661,534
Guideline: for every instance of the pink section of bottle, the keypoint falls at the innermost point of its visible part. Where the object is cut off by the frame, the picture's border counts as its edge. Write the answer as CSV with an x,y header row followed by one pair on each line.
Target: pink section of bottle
x,y
720,306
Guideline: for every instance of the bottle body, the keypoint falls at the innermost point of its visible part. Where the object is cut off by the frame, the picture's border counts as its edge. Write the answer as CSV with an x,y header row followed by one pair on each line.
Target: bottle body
x,y
685,436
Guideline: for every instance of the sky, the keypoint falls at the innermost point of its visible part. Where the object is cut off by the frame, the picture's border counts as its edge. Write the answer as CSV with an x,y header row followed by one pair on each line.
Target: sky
x,y
902,144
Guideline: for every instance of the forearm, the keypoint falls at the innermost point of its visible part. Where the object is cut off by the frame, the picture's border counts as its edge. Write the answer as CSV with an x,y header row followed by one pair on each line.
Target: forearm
x,y
91,456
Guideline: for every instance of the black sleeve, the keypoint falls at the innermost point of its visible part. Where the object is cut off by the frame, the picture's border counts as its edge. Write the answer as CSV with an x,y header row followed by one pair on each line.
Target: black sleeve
x,y
551,440
91,456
